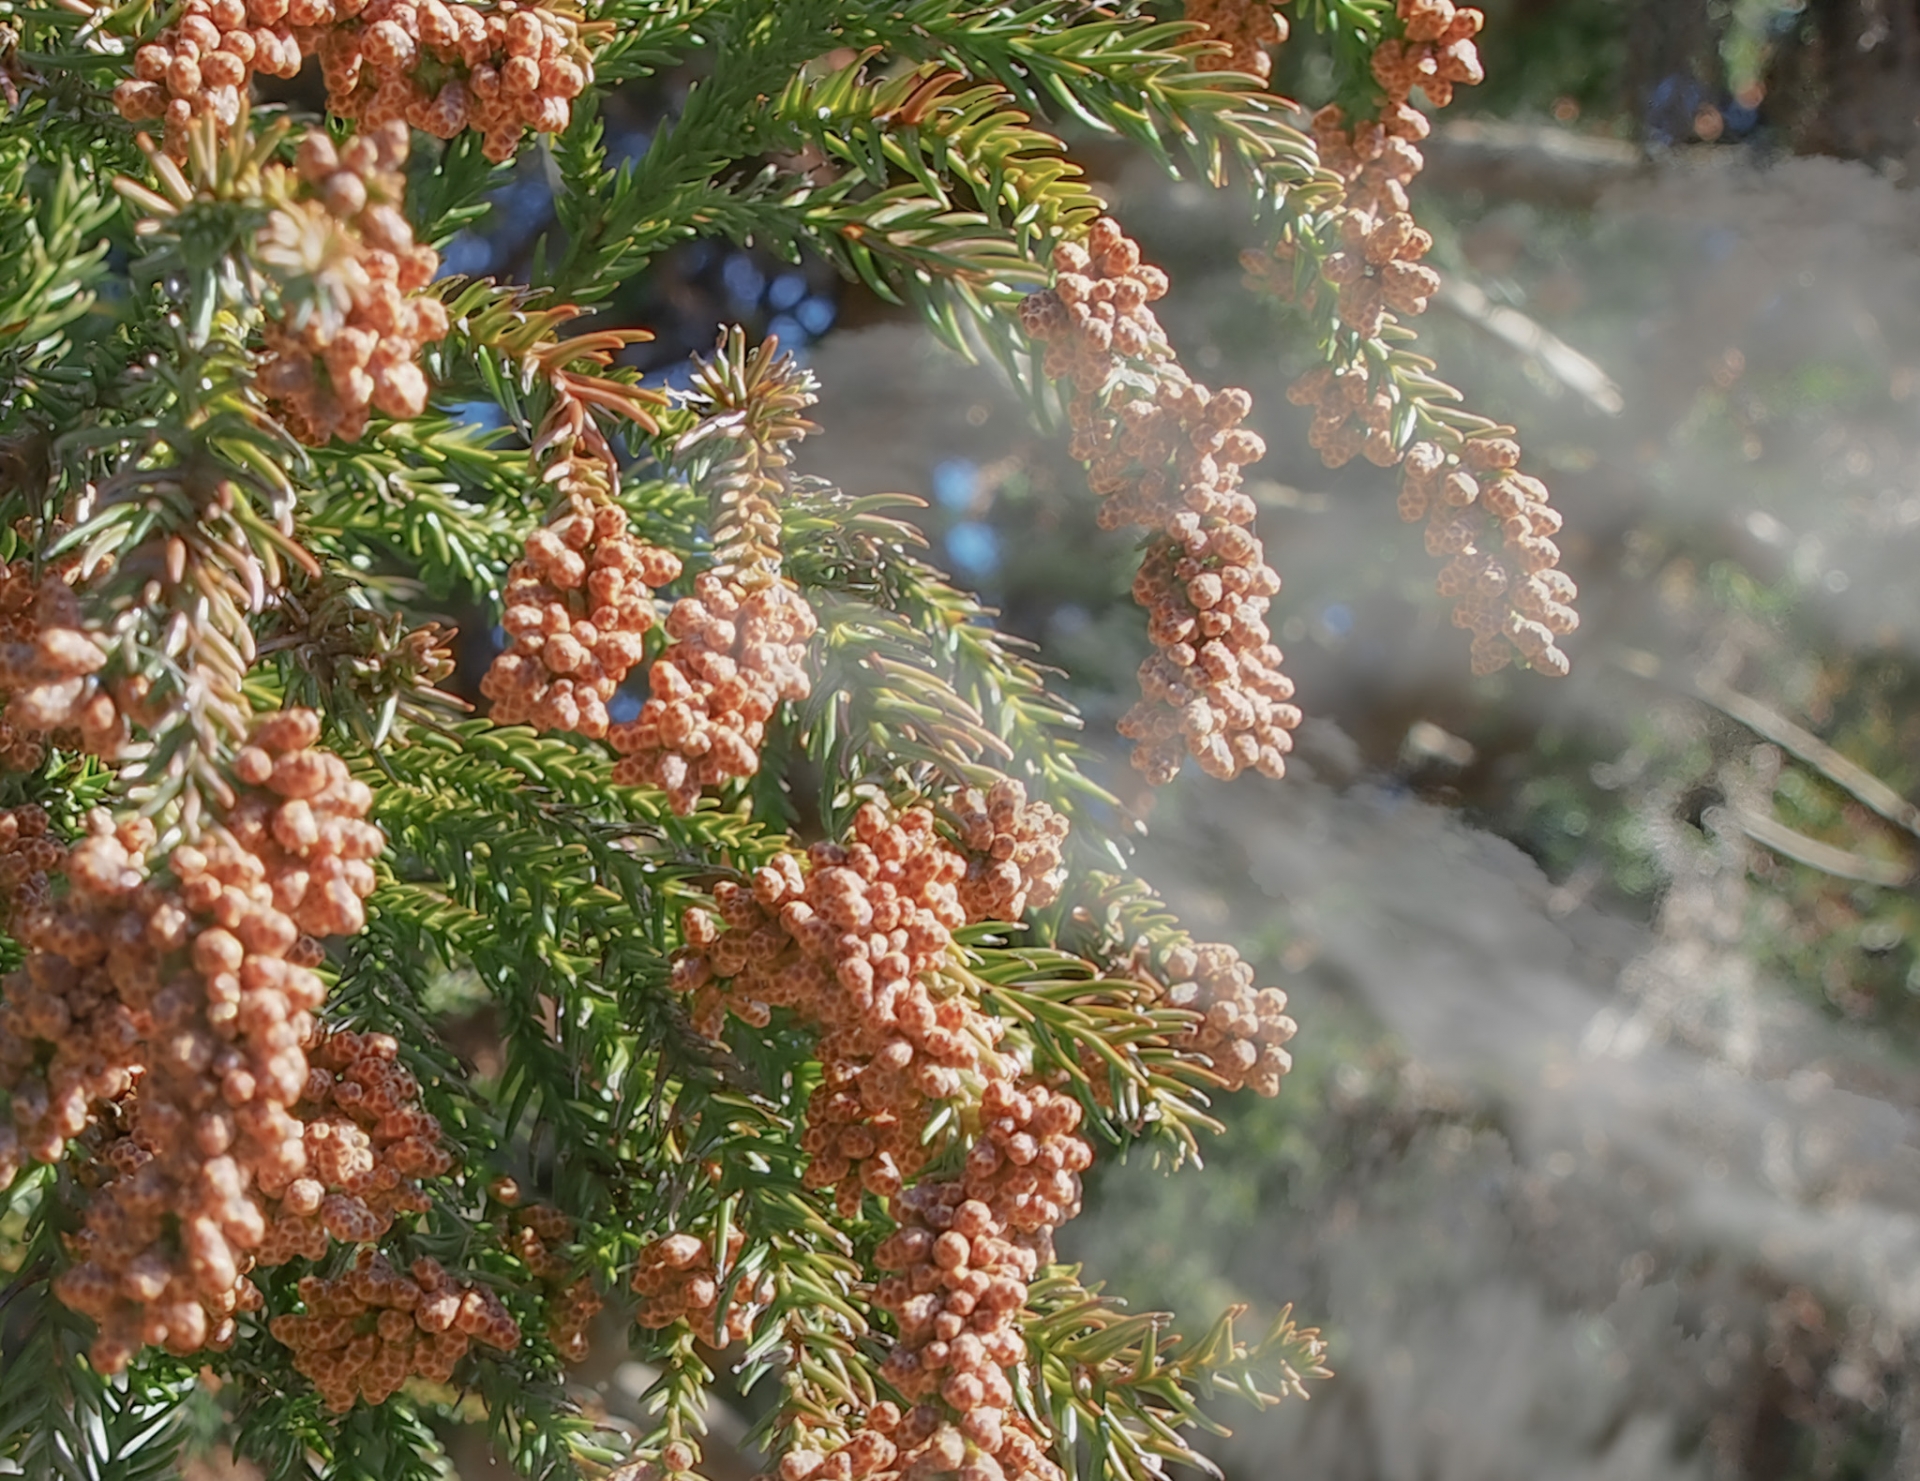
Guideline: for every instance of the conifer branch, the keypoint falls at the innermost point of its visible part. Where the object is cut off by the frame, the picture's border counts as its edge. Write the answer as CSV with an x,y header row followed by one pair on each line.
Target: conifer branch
x,y
55,263
946,138
917,671
281,1429
1133,77
1112,1040
1119,1389
630,214
647,36
795,1010
1349,258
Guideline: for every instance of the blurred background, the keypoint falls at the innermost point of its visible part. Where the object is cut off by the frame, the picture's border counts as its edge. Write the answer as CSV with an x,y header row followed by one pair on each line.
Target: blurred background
x,y
1599,1159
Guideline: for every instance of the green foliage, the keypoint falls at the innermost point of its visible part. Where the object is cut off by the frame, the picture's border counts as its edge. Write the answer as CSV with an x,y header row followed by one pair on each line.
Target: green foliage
x,y
1123,1387
523,896
58,1418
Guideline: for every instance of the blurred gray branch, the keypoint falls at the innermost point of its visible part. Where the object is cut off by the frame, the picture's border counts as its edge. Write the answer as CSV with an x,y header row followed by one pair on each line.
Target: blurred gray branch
x,y
1840,863
1532,338
1808,747
1533,162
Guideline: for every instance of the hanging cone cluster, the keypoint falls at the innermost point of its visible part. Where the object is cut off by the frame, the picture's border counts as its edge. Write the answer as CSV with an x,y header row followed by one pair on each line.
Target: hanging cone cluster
x,y
1497,526
539,1235
1493,524
677,1280
869,1452
1373,270
50,673
346,340
21,749
955,1299
440,66
579,603
1013,852
214,973
1239,1031
1242,1030
578,608
204,62
1377,268
1436,55
847,938
299,832
737,653
964,1254
739,644
68,1041
368,1143
1248,28
367,1332
1379,158
1165,454
443,66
